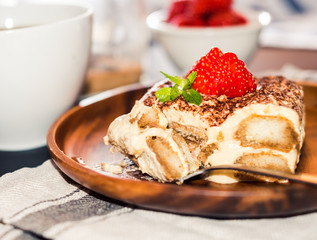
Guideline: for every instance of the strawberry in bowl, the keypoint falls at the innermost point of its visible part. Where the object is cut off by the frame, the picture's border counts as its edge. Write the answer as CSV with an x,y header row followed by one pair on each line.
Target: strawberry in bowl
x,y
188,28
198,13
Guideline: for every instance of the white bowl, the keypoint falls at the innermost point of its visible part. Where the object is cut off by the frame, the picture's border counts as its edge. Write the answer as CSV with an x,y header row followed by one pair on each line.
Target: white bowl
x,y
186,45
44,53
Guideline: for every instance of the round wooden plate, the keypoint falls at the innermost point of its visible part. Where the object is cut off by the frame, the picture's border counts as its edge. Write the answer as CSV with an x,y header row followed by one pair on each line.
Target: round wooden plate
x,y
78,134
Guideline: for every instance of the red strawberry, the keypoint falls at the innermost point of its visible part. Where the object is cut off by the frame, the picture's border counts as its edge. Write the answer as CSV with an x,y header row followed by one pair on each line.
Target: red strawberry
x,y
186,21
219,73
226,18
203,7
177,7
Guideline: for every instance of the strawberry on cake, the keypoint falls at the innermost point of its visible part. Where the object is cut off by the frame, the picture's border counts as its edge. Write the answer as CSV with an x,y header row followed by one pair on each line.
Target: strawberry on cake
x,y
219,113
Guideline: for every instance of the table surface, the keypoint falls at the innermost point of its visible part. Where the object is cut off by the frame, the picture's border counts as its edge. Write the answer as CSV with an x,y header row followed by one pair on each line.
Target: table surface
x,y
263,59
275,58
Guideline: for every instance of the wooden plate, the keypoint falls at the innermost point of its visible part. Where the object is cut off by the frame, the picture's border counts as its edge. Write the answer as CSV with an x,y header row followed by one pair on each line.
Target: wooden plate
x,y
78,134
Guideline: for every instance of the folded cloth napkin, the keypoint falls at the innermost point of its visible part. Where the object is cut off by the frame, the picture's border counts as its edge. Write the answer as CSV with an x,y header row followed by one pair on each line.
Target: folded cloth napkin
x,y
37,203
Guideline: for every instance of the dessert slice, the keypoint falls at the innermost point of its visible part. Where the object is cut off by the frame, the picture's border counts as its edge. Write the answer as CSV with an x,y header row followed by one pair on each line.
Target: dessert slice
x,y
168,137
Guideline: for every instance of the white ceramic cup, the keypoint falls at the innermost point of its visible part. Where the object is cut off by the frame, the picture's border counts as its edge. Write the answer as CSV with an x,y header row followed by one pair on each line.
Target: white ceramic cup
x,y
44,53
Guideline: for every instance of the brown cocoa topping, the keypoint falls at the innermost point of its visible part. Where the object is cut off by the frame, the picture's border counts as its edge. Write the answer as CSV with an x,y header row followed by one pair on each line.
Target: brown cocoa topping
x,y
216,109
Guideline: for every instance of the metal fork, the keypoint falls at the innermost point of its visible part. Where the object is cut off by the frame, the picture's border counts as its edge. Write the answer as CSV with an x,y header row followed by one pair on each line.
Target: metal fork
x,y
301,178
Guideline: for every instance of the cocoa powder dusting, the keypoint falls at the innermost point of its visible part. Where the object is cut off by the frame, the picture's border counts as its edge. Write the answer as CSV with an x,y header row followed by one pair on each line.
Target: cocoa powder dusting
x,y
216,109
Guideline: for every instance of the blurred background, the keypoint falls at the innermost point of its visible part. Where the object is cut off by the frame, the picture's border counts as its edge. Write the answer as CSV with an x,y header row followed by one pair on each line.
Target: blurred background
x,y
124,51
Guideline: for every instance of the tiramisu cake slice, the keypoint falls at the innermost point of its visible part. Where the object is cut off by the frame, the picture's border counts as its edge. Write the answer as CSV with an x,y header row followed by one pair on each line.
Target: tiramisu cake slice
x,y
219,114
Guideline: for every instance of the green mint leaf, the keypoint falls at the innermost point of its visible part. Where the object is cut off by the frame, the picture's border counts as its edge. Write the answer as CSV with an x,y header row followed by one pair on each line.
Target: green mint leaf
x,y
192,76
192,96
175,92
182,87
187,84
164,94
182,82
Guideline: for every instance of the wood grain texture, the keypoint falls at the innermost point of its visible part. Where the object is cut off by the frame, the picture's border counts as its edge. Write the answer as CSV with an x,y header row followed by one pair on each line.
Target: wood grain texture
x,y
79,134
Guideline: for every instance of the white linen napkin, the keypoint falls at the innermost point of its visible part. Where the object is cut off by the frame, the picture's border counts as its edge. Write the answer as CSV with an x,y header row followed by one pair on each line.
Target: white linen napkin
x,y
37,203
